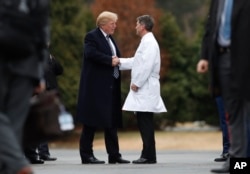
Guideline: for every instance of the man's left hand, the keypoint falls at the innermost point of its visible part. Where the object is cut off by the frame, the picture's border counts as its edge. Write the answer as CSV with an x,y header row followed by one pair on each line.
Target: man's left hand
x,y
134,88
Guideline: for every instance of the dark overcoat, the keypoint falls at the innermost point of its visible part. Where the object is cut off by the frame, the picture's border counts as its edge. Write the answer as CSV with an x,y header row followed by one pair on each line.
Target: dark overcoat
x,y
95,105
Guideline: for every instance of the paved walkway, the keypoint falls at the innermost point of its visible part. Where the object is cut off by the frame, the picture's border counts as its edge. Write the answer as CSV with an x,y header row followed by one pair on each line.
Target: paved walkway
x,y
169,162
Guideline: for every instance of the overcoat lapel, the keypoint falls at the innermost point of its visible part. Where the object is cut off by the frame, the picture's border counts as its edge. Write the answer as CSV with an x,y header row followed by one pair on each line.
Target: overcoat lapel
x,y
103,40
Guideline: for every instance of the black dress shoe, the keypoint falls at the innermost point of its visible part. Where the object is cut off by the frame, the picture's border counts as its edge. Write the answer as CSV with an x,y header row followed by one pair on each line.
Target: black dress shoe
x,y
47,158
36,161
118,160
92,160
144,161
222,158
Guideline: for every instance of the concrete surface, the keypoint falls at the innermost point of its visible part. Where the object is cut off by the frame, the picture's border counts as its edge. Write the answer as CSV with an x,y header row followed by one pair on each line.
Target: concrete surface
x,y
168,162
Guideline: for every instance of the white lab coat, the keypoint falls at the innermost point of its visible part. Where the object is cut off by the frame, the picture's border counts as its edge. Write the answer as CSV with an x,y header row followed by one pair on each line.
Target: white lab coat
x,y
145,69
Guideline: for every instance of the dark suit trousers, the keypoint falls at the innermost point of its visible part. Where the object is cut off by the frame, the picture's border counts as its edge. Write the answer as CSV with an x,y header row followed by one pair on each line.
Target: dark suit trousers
x,y
146,127
239,123
31,152
239,111
43,149
87,138
36,151
224,78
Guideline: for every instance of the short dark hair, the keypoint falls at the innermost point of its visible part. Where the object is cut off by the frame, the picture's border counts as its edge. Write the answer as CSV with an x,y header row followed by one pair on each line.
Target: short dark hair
x,y
147,21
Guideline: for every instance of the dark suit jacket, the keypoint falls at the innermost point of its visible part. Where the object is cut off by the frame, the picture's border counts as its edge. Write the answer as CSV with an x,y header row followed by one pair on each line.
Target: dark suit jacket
x,y
94,107
240,59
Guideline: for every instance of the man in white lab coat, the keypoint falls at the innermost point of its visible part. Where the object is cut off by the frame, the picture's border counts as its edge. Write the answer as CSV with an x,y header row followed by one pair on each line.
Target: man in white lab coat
x,y
144,96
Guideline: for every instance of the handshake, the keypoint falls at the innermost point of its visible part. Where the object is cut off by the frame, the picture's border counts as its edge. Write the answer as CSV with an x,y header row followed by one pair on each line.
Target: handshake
x,y
115,61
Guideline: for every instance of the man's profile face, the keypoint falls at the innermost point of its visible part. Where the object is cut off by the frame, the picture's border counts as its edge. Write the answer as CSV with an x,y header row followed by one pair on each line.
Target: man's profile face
x,y
109,27
139,28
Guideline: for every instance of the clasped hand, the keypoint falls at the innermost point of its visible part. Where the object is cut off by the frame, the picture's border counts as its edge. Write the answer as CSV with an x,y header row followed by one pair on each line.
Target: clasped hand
x,y
115,61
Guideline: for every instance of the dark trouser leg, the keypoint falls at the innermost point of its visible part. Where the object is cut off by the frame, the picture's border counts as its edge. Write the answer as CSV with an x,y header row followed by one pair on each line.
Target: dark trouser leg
x,y
31,152
111,142
43,149
239,116
224,71
236,110
223,125
146,127
224,79
86,141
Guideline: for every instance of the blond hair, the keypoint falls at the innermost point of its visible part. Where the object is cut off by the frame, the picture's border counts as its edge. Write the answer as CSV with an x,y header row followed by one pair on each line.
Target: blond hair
x,y
105,17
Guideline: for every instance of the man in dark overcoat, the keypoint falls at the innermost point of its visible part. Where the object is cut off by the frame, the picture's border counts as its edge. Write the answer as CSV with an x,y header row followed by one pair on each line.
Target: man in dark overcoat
x,y
214,52
233,67
99,100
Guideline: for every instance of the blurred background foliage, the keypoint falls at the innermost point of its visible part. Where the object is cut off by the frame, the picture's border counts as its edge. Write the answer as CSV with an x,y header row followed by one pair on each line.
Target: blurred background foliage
x,y
179,28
